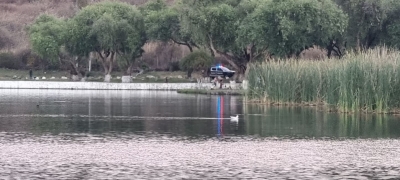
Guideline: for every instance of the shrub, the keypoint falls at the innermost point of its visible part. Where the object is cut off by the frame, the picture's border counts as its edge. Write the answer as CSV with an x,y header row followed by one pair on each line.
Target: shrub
x,y
5,39
10,61
174,66
30,59
195,61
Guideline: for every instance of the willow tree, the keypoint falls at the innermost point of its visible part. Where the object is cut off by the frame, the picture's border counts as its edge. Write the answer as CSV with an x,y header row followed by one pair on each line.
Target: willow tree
x,y
111,29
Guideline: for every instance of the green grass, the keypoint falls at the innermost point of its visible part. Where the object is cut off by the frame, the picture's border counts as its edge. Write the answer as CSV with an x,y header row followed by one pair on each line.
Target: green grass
x,y
148,77
11,74
367,82
211,92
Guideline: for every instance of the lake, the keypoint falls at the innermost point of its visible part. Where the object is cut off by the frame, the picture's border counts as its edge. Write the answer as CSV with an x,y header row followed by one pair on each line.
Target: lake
x,y
72,134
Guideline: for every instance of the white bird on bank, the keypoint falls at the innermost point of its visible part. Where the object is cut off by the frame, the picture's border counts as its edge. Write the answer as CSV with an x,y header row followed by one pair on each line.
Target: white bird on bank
x,y
235,118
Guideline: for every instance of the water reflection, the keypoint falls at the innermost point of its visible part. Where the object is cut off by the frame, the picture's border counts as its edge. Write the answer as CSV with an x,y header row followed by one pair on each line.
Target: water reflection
x,y
220,115
310,122
140,112
99,112
165,135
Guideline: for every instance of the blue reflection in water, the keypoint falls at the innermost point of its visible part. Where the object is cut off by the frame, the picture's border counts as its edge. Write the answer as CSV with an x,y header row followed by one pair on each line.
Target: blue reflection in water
x,y
220,115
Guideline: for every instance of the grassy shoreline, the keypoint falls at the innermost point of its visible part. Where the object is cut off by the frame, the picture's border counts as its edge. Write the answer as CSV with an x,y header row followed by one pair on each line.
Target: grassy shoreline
x,y
212,91
148,77
368,82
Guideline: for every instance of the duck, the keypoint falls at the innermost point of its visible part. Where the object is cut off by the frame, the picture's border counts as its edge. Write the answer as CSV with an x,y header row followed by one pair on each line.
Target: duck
x,y
235,118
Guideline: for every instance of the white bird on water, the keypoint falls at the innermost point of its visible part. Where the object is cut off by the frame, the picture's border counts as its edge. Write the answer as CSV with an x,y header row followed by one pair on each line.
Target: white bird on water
x,y
235,118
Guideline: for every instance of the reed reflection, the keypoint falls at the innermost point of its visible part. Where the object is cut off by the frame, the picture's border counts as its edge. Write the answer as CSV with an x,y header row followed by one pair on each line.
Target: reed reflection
x,y
306,122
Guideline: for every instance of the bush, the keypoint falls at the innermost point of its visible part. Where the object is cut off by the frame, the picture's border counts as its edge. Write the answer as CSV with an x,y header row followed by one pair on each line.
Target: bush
x,y
174,66
5,39
10,61
195,61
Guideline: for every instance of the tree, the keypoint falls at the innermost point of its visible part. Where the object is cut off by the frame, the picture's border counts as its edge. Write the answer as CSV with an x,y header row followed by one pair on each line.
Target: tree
x,y
390,31
288,27
195,61
213,25
163,23
48,36
371,22
110,29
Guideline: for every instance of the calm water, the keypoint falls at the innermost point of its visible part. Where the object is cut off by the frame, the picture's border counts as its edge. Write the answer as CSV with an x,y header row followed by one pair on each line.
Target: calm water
x,y
62,134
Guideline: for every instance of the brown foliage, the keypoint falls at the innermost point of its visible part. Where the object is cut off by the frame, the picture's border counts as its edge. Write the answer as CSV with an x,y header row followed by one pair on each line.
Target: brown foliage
x,y
161,55
314,53
6,42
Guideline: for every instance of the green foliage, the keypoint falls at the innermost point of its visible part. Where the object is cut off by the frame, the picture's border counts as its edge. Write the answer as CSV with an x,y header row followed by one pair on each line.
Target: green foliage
x,y
160,20
210,20
110,26
289,26
366,82
153,5
164,23
371,22
47,35
196,60
390,34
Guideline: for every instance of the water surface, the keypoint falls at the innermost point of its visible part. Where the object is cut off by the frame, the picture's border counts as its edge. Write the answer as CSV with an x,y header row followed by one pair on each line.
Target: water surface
x,y
70,134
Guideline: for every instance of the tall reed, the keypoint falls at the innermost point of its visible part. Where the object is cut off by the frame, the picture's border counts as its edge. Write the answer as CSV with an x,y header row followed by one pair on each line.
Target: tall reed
x,y
359,82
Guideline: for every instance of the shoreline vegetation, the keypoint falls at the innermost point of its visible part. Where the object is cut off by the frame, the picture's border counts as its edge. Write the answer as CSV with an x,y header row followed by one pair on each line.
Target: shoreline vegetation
x,y
366,82
55,75
231,92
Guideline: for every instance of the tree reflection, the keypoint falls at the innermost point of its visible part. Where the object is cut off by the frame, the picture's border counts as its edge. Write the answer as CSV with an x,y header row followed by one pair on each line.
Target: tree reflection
x,y
97,112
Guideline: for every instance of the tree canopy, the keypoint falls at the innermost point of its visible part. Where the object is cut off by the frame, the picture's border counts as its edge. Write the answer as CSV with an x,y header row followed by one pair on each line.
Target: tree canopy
x,y
110,29
238,31
197,60
47,36
244,30
288,27
164,23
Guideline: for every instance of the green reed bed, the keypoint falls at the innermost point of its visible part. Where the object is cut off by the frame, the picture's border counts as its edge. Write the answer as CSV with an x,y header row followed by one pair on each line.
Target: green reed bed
x,y
366,82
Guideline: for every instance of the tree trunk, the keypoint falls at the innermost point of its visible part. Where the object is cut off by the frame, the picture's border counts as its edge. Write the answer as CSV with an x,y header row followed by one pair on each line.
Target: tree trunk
x,y
111,56
90,65
129,70
111,62
72,62
189,73
103,62
229,58
190,48
75,67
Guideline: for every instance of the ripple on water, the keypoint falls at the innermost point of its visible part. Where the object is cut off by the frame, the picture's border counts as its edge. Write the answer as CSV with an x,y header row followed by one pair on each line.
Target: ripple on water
x,y
80,156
